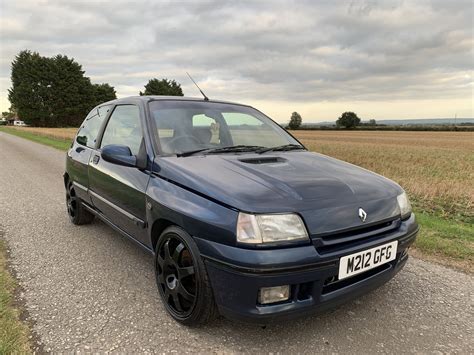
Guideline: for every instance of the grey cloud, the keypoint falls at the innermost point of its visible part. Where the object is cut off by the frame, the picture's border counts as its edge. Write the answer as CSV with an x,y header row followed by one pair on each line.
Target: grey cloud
x,y
281,50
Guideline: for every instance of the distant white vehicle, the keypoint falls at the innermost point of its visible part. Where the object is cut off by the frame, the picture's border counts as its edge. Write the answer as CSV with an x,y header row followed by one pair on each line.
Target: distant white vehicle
x,y
19,123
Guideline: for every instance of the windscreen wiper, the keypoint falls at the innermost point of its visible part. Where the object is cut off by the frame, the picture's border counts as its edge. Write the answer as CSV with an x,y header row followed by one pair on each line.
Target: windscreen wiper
x,y
282,148
231,149
191,152
236,148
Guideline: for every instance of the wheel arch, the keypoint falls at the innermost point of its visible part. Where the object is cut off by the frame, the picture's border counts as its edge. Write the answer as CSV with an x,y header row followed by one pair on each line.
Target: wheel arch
x,y
66,179
158,227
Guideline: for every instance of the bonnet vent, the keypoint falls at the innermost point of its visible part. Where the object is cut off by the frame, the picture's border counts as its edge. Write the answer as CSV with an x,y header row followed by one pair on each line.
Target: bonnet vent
x,y
266,160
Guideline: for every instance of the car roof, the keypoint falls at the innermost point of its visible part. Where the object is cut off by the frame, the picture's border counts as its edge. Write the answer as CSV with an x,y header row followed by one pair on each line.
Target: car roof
x,y
148,98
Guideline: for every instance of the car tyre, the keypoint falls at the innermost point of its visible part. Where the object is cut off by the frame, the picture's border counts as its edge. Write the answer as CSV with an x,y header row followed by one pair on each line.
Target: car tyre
x,y
78,214
182,278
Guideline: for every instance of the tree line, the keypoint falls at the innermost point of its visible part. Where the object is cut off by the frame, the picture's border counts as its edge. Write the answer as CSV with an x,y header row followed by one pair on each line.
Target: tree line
x,y
347,120
54,92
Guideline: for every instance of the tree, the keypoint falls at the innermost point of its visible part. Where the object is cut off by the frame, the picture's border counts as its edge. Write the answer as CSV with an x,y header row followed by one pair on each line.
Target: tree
x,y
348,120
103,93
52,92
162,87
30,86
372,122
71,94
295,121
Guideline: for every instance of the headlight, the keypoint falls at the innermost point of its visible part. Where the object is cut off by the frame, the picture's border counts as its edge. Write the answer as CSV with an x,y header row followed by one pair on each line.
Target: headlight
x,y
270,228
404,204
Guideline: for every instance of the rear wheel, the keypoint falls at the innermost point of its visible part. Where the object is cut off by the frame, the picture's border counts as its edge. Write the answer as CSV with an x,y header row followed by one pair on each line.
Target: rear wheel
x,y
182,279
76,211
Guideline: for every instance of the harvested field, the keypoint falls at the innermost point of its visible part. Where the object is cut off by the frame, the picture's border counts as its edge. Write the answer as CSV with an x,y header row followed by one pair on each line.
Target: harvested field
x,y
436,168
56,133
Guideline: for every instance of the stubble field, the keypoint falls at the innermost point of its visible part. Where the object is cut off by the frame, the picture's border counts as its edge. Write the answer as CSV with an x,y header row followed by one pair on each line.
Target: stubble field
x,y
55,133
436,168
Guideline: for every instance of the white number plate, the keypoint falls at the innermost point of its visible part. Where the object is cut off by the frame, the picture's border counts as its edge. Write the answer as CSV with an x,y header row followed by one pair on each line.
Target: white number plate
x,y
356,263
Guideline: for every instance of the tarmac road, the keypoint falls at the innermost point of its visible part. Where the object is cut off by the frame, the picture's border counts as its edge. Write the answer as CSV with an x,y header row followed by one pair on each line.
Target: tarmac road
x,y
88,289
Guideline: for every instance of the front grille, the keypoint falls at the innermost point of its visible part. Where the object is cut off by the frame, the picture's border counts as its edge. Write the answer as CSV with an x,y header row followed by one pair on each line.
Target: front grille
x,y
332,242
357,231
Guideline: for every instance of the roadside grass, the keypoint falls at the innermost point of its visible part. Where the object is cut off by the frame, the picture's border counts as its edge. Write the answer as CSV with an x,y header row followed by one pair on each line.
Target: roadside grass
x,y
13,332
446,241
435,168
58,143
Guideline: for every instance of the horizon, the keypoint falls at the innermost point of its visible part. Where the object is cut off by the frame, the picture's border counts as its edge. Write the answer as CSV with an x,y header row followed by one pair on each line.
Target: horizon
x,y
375,59
457,120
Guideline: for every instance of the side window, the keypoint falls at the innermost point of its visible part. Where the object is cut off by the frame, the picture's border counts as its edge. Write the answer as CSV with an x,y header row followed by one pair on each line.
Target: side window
x,y
124,128
87,134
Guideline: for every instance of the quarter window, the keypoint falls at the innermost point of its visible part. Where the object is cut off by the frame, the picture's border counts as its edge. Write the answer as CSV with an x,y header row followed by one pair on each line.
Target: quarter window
x,y
87,134
124,128
103,111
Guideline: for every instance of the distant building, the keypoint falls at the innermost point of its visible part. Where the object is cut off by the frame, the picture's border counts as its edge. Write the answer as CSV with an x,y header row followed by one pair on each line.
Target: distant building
x,y
11,120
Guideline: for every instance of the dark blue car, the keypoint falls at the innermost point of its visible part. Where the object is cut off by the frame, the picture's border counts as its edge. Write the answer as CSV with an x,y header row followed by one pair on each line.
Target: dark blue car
x,y
241,219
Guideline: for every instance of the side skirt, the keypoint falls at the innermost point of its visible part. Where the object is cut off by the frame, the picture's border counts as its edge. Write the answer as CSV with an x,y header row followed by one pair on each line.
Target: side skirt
x,y
116,228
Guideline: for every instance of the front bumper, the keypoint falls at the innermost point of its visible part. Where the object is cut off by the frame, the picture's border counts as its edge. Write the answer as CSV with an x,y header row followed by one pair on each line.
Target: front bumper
x,y
237,275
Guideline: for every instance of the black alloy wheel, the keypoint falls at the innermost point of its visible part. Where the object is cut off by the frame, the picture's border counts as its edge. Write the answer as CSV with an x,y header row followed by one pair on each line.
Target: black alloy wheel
x,y
182,278
75,210
176,276
71,202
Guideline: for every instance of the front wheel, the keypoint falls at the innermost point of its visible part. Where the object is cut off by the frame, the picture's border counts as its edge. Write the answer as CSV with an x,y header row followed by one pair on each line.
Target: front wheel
x,y
182,279
75,210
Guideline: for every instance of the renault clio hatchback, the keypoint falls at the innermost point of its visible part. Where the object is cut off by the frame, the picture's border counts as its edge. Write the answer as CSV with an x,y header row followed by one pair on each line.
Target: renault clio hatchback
x,y
241,219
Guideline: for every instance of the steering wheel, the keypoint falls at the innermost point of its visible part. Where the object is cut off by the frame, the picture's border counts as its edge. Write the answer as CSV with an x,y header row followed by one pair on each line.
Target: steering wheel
x,y
173,141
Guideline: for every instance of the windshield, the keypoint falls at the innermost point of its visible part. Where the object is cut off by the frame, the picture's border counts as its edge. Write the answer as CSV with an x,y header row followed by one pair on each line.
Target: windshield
x,y
187,126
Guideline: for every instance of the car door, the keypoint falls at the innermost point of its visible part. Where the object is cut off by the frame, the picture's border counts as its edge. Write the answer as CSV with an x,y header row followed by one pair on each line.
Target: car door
x,y
117,191
77,164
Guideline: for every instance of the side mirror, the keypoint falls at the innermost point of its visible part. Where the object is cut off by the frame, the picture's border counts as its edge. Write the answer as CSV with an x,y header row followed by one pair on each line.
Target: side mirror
x,y
119,154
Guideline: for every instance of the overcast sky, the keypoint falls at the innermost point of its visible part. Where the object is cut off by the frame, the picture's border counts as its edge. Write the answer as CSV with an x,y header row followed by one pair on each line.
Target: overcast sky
x,y
381,59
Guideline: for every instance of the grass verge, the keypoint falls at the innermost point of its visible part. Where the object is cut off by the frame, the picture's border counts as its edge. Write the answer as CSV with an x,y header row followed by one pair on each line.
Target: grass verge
x,y
52,142
13,333
446,241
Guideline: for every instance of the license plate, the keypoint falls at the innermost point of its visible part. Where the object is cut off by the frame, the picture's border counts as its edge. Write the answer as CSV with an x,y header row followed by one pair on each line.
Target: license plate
x,y
356,263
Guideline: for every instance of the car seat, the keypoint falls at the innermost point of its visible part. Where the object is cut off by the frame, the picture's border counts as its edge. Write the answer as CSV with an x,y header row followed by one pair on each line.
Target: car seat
x,y
203,134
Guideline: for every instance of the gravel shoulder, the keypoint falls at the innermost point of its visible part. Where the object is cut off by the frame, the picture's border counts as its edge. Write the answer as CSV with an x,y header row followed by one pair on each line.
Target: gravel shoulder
x,y
86,288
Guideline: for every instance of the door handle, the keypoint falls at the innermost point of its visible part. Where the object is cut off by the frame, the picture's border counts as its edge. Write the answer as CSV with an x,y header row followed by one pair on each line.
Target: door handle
x,y
80,149
95,159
